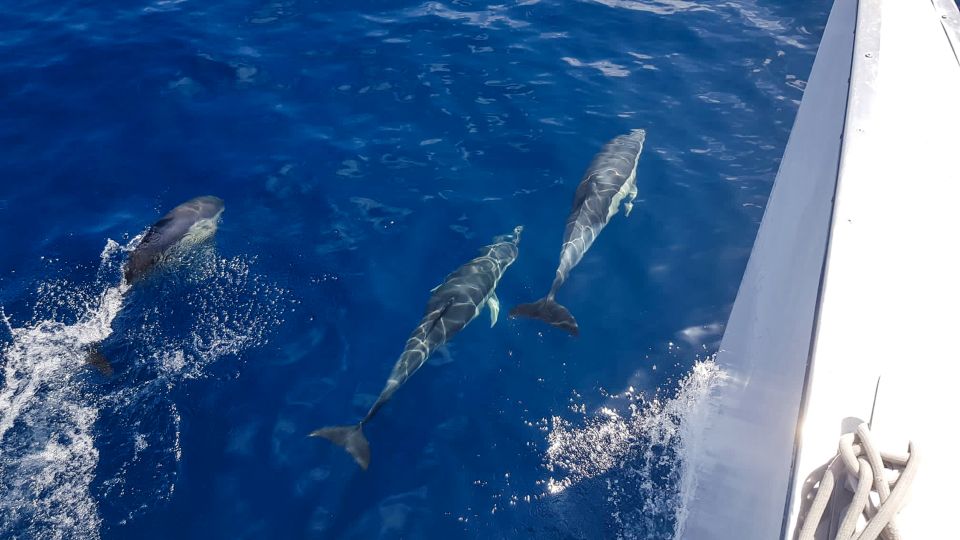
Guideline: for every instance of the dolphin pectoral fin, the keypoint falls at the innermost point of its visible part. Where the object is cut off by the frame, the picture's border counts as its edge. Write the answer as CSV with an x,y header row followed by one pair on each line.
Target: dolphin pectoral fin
x,y
351,439
631,195
493,304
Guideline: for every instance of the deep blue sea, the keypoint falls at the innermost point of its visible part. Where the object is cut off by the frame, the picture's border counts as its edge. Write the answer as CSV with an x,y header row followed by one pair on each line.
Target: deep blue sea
x,y
364,150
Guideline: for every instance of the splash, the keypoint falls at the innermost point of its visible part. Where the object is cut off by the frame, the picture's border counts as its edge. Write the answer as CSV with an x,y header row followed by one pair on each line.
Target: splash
x,y
47,455
60,420
636,451
588,451
227,309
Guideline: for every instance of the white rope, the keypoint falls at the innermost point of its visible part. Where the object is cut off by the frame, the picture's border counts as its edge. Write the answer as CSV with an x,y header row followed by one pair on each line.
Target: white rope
x,y
858,458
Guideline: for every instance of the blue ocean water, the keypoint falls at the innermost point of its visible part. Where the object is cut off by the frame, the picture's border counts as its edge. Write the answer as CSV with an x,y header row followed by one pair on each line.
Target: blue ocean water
x,y
364,150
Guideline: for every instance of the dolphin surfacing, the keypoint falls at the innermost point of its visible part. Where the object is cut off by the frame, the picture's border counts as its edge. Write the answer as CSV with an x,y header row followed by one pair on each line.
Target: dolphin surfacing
x,y
188,223
610,180
453,304
184,226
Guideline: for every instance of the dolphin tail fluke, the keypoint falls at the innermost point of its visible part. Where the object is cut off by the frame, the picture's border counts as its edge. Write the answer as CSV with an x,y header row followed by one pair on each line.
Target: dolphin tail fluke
x,y
351,439
550,312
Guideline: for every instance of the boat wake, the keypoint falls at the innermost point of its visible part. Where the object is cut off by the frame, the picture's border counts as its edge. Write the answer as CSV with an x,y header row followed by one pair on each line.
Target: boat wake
x,y
54,409
634,450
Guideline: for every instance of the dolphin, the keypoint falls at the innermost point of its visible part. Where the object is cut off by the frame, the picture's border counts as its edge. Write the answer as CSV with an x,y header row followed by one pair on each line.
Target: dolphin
x,y
187,224
454,303
610,180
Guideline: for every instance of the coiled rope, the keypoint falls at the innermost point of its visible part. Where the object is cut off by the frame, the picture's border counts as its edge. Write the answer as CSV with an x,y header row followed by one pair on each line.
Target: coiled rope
x,y
860,459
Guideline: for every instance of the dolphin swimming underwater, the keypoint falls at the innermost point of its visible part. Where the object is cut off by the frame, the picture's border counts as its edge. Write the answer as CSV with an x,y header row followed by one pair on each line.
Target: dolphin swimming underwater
x,y
453,304
610,179
187,224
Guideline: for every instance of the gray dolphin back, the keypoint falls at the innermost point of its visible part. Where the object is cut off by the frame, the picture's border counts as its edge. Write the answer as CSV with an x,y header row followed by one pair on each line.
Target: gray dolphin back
x,y
452,305
168,231
609,181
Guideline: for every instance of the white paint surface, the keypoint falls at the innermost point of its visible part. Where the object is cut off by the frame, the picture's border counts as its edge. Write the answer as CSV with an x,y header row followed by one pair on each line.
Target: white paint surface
x,y
891,302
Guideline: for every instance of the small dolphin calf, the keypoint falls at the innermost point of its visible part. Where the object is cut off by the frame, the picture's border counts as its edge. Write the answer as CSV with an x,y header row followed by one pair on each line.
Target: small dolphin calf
x,y
611,179
185,225
453,304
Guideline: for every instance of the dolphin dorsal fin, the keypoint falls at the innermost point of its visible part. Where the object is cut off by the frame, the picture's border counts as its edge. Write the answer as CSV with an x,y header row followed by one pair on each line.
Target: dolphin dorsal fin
x,y
436,316
493,304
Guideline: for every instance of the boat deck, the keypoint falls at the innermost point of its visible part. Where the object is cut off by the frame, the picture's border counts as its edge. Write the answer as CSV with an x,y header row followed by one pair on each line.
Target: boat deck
x,y
853,279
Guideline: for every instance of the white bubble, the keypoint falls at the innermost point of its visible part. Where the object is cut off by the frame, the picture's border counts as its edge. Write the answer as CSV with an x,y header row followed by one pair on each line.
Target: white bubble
x,y
637,445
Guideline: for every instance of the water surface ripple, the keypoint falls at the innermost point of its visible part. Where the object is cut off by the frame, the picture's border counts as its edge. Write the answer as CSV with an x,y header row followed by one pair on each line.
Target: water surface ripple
x,y
364,150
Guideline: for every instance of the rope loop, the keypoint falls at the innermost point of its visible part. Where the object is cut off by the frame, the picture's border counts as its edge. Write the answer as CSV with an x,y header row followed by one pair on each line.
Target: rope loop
x,y
866,470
